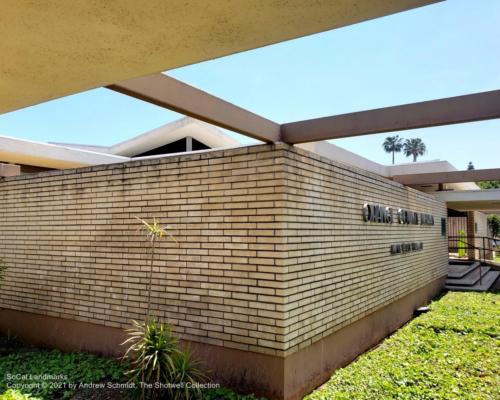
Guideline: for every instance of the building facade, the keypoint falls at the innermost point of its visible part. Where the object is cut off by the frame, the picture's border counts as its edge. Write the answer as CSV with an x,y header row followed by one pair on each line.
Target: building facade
x,y
276,265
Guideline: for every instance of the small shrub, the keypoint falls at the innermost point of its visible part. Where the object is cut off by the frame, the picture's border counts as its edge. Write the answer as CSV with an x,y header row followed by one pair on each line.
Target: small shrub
x,y
151,351
186,372
156,358
16,395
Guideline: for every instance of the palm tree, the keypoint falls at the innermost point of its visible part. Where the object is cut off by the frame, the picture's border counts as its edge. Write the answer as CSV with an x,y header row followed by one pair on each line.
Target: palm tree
x,y
393,144
414,147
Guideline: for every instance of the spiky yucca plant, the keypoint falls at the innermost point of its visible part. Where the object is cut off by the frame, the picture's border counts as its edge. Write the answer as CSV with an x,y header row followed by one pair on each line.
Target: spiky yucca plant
x,y
151,351
155,356
154,232
187,372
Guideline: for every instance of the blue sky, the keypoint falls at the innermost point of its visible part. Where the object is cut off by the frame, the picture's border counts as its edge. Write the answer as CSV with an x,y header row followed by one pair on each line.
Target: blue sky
x,y
446,49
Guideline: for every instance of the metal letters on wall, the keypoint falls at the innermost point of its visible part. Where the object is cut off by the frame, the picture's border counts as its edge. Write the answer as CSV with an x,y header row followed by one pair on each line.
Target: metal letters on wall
x,y
387,215
402,248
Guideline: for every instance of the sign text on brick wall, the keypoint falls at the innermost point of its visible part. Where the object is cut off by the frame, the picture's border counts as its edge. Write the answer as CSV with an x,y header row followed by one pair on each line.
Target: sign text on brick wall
x,y
388,215
402,248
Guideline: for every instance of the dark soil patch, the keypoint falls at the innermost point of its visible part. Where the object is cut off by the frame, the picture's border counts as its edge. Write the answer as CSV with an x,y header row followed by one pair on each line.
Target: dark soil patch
x,y
9,344
105,394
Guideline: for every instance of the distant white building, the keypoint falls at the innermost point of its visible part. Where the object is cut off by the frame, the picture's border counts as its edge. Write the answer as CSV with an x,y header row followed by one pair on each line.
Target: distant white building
x,y
190,135
183,135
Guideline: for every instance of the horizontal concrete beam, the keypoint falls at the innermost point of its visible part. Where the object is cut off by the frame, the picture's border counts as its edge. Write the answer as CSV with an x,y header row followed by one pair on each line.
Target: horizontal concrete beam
x,y
469,200
167,92
474,175
9,170
67,47
452,110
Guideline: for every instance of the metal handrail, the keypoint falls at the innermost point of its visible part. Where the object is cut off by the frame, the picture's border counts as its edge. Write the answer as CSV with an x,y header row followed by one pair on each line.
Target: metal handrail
x,y
461,239
483,238
475,237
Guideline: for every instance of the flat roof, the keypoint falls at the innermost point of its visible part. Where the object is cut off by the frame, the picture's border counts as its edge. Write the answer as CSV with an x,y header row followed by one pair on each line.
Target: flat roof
x,y
28,152
66,155
165,134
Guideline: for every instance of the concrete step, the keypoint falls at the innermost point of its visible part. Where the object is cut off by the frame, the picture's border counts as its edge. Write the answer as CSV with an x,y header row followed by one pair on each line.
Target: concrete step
x,y
459,270
487,282
470,278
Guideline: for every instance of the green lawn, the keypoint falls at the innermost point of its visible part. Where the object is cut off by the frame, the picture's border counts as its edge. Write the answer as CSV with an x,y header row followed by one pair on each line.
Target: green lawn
x,y
30,373
47,374
451,352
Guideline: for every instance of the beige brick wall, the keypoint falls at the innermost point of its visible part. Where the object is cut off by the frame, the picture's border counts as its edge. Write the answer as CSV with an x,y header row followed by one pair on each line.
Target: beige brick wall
x,y
273,253
339,268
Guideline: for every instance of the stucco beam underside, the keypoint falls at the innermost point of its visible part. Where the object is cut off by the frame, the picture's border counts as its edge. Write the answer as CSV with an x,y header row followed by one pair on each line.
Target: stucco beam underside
x,y
172,94
446,111
69,47
167,92
475,175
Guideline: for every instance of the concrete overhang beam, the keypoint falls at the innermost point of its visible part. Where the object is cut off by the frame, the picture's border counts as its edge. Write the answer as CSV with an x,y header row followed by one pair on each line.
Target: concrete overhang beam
x,y
172,94
475,175
56,48
167,92
452,110
471,200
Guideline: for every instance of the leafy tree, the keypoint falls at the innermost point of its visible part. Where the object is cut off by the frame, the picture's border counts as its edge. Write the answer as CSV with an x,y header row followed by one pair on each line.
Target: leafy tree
x,y
485,184
494,224
414,147
393,144
489,184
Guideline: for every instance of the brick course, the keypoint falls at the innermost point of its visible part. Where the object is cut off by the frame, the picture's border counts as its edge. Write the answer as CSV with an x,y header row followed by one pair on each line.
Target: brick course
x,y
339,268
272,255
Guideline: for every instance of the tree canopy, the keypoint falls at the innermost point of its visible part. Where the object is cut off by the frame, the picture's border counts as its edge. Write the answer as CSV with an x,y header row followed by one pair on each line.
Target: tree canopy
x,y
494,224
414,147
489,184
393,144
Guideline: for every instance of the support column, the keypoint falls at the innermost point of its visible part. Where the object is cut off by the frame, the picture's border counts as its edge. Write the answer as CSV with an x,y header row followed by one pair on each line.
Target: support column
x,y
189,143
